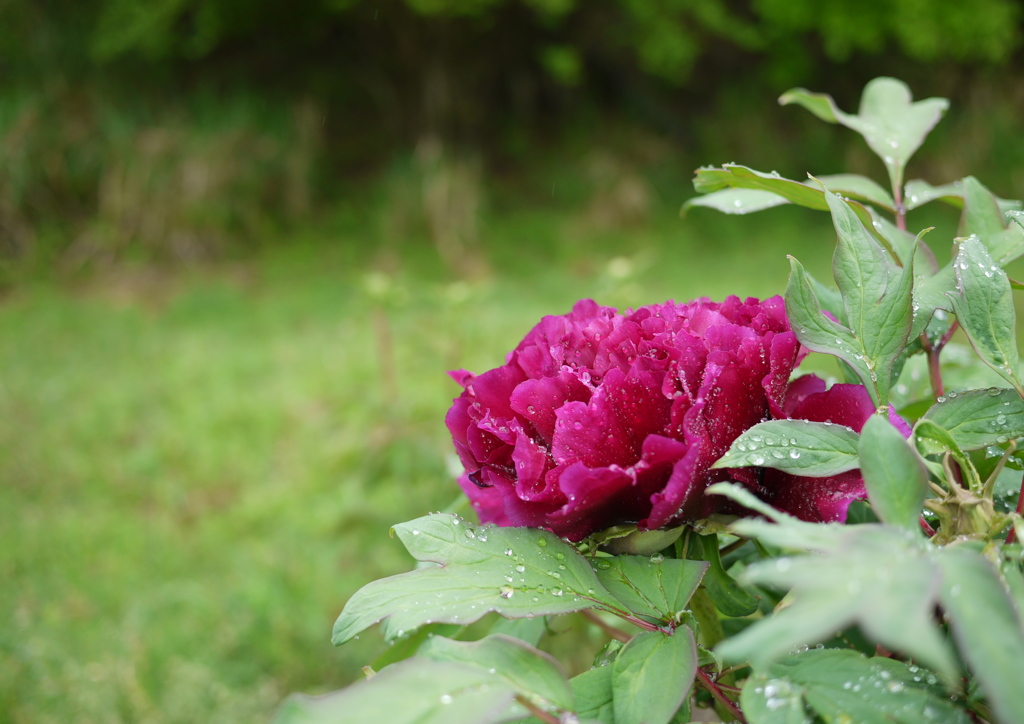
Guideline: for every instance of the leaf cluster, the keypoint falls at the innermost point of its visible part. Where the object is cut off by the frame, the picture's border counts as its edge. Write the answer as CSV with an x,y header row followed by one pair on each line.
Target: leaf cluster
x,y
913,611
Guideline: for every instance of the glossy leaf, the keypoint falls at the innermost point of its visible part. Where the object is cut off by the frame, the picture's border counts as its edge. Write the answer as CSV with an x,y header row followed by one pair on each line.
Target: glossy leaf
x,y
810,449
932,294
901,243
737,201
657,587
529,672
652,676
977,419
594,695
987,628
515,572
790,532
918,193
877,297
932,439
983,217
415,691
817,332
881,578
529,630
893,126
733,175
841,685
984,307
894,475
829,298
858,187
727,595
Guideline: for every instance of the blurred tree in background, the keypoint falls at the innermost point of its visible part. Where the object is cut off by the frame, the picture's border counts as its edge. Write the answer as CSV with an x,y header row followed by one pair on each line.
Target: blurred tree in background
x,y
179,128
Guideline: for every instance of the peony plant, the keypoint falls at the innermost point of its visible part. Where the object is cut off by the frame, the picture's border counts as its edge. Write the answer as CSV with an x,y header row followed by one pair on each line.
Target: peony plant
x,y
703,533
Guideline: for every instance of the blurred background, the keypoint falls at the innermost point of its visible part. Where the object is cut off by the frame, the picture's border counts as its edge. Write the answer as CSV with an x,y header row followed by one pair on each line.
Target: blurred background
x,y
241,241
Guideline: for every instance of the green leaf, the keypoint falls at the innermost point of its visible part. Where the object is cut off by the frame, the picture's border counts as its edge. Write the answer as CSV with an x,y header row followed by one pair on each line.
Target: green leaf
x,y
737,201
819,333
983,217
652,586
809,449
733,175
977,419
859,187
594,696
790,533
414,691
878,577
408,646
984,307
877,297
986,626
652,676
931,294
932,439
830,299
516,572
728,596
894,475
842,685
529,672
901,243
892,125
530,630
918,193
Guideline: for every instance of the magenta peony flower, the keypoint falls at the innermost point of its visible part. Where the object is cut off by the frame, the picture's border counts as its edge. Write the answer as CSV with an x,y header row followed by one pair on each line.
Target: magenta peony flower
x,y
600,418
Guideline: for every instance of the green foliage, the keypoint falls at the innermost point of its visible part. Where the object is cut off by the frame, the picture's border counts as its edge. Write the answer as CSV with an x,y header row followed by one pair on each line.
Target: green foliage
x,y
456,689
895,477
512,571
984,307
815,449
888,582
883,577
988,627
727,595
660,591
840,685
649,676
892,125
977,419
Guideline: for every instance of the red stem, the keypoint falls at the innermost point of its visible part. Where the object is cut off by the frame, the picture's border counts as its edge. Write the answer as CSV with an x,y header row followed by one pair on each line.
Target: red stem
x,y
947,336
536,710
720,696
1012,535
616,633
928,530
901,210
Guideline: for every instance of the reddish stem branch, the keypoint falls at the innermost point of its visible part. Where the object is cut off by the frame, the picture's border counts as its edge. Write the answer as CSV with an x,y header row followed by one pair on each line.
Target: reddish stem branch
x,y
901,210
933,352
1012,535
935,374
719,695
539,713
947,336
926,527
616,633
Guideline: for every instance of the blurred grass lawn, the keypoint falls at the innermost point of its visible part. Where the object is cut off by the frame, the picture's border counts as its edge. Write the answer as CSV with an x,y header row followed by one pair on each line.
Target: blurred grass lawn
x,y
199,469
